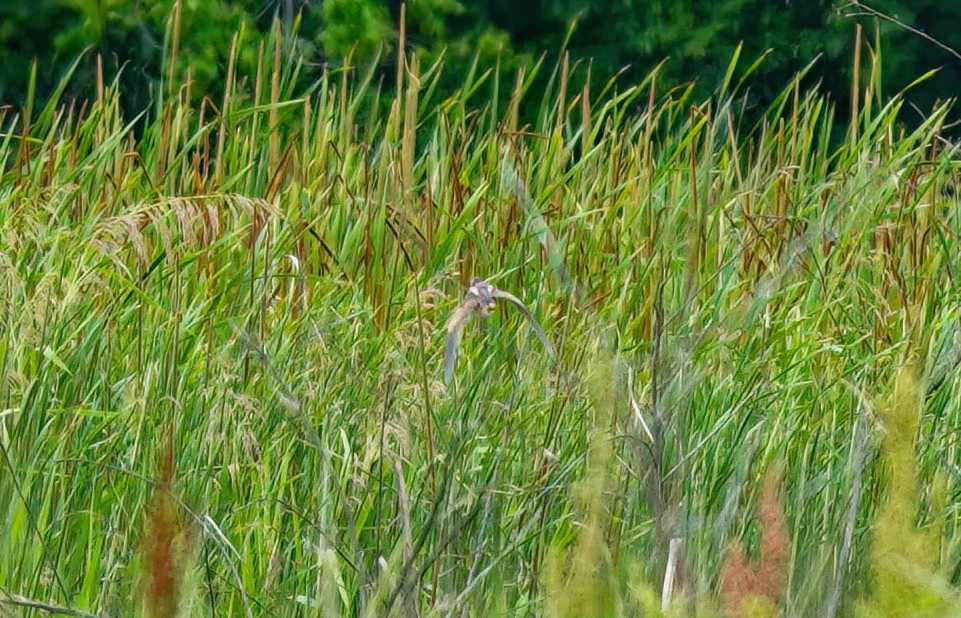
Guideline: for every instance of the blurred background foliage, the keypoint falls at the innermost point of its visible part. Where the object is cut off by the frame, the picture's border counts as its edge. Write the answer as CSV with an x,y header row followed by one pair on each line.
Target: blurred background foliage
x,y
697,36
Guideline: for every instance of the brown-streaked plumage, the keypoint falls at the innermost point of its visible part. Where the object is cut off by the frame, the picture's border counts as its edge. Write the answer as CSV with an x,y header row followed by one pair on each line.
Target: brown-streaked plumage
x,y
481,297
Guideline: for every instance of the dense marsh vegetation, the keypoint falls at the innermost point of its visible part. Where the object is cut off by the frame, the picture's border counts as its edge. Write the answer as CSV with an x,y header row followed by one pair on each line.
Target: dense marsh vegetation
x,y
222,329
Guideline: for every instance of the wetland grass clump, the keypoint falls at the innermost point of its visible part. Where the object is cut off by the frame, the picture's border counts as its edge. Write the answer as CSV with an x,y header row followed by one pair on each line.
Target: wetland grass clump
x,y
580,577
908,573
271,274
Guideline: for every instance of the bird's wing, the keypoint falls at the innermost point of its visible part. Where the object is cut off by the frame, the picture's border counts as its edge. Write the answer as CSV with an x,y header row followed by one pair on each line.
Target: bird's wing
x,y
499,293
455,325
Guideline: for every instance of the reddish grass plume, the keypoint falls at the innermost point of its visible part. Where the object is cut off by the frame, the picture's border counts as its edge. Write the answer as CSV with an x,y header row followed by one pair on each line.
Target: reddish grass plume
x,y
747,584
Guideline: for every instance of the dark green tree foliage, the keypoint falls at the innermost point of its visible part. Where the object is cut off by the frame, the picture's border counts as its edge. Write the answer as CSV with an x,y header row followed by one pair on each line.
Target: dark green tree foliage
x,y
27,30
698,36
127,34
360,27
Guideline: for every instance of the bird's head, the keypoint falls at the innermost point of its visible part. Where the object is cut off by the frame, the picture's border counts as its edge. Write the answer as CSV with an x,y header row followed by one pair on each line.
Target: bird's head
x,y
484,293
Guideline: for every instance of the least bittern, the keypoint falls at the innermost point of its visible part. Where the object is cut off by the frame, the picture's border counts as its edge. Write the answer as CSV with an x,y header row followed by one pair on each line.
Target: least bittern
x,y
481,298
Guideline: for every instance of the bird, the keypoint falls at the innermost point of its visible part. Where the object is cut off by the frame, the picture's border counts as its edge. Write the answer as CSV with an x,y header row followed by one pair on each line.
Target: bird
x,y
481,298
